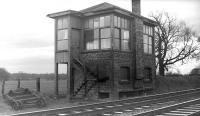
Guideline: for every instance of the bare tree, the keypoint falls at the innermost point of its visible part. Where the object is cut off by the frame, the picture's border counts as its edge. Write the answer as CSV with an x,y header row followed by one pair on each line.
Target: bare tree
x,y
174,42
4,75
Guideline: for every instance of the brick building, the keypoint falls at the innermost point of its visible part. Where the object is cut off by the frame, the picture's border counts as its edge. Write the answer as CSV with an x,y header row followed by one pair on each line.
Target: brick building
x,y
109,51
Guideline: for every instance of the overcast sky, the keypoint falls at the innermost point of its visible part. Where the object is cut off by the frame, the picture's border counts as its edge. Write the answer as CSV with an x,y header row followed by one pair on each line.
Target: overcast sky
x,y
27,35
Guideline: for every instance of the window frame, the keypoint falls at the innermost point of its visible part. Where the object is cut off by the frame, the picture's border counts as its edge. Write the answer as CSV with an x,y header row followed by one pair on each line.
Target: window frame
x,y
148,32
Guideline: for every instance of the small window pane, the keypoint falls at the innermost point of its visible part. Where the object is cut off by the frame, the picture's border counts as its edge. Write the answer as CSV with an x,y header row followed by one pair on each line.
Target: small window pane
x,y
62,34
125,34
144,28
96,44
116,44
89,45
105,33
124,44
107,20
59,23
126,24
116,33
152,31
96,22
96,33
150,40
101,21
150,49
86,25
91,23
115,21
145,39
122,21
65,22
118,22
105,43
145,48
62,45
147,29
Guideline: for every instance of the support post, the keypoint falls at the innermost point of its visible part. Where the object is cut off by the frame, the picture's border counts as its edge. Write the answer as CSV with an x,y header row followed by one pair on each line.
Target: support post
x,y
18,83
56,81
38,84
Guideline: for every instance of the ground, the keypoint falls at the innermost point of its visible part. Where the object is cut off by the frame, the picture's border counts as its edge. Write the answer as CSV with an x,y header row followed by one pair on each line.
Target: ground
x,y
51,103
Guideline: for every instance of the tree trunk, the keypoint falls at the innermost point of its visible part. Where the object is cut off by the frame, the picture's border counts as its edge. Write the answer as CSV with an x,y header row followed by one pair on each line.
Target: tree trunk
x,y
161,70
3,86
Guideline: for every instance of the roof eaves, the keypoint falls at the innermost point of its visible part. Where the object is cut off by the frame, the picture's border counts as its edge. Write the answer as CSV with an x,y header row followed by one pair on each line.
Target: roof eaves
x,y
62,13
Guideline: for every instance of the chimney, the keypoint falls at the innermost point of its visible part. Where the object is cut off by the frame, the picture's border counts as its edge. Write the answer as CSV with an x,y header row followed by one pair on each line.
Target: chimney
x,y
136,7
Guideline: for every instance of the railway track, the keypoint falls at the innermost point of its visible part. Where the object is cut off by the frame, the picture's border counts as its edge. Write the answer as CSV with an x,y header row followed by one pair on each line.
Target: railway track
x,y
188,108
130,106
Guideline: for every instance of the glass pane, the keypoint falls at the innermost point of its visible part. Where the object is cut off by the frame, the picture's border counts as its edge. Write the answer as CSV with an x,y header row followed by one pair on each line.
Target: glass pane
x,y
96,33
86,25
96,44
152,31
62,45
107,20
59,23
116,44
122,21
91,23
65,34
144,28
124,44
105,43
145,39
116,33
115,21
150,49
124,34
65,22
59,35
145,48
150,40
126,24
62,34
89,36
105,33
96,22
147,29
101,21
119,22
89,45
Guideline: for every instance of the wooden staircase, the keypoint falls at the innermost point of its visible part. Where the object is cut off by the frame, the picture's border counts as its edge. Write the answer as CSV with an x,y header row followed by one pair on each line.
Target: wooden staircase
x,y
88,83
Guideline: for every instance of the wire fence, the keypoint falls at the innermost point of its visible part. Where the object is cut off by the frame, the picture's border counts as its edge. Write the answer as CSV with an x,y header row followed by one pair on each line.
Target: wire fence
x,y
46,86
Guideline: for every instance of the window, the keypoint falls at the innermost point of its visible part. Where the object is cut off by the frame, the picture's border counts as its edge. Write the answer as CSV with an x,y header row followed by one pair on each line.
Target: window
x,y
101,21
62,23
92,39
91,23
96,23
147,74
107,21
116,39
62,39
125,39
147,39
124,73
105,38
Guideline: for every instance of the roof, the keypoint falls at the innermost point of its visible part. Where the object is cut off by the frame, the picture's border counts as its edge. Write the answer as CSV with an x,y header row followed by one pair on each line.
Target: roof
x,y
100,7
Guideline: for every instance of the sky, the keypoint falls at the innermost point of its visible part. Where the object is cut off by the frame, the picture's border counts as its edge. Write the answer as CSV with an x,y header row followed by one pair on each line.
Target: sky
x,y
27,34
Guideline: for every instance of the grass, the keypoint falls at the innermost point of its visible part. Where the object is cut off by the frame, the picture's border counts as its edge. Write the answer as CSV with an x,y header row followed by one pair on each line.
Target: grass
x,y
46,86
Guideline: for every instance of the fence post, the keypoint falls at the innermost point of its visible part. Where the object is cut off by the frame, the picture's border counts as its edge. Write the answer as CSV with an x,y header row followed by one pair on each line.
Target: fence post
x,y
38,84
18,83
